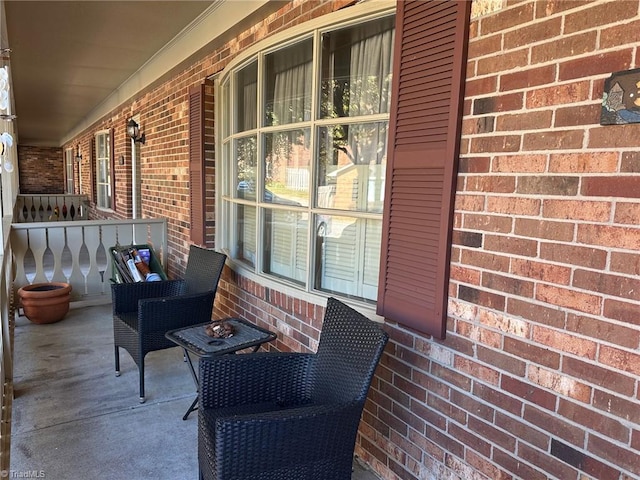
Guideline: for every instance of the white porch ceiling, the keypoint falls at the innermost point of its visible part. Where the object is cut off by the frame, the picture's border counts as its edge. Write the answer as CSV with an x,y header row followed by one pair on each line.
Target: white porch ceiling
x,y
68,57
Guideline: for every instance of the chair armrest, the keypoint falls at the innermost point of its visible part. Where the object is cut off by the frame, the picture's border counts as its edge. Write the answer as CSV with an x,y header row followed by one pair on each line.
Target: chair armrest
x,y
229,380
163,314
125,296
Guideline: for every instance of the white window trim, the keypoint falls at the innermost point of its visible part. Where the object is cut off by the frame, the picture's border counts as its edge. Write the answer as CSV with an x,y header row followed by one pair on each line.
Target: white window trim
x,y
97,170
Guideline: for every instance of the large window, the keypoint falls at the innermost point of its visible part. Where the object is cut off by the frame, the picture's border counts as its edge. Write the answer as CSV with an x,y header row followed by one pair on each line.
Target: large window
x,y
304,149
103,169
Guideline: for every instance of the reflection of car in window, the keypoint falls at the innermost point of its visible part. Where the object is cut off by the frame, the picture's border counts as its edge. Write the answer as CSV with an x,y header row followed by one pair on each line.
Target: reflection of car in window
x,y
247,191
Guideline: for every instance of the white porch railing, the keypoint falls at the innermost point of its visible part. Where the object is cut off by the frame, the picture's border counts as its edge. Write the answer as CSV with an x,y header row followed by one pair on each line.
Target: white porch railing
x,y
6,351
50,208
78,252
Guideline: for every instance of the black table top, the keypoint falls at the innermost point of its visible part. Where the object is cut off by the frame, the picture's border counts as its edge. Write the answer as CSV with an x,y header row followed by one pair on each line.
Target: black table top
x,y
196,341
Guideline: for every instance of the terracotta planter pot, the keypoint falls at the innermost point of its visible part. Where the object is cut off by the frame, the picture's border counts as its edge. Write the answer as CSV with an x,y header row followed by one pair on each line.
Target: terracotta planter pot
x,y
45,302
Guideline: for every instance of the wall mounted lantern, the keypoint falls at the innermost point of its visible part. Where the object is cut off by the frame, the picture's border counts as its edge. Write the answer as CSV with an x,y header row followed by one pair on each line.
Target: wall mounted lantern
x,y
78,154
133,130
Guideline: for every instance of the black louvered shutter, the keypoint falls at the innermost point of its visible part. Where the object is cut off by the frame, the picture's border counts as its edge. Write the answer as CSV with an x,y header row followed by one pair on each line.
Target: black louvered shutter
x,y
424,134
197,198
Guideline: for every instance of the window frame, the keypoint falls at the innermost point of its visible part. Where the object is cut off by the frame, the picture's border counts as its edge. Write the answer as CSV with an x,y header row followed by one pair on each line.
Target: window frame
x,y
225,201
108,159
69,171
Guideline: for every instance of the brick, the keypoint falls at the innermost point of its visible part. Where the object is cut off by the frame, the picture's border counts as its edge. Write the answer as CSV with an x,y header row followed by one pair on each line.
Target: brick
x,y
603,331
487,45
474,165
582,461
594,65
549,8
472,126
573,255
534,33
615,454
511,245
498,399
630,162
591,162
547,463
574,116
479,334
524,121
532,353
480,86
563,297
447,409
467,239
553,140
627,187
526,163
597,375
613,285
595,421
552,423
560,231
477,370
609,236
452,377
517,467
620,359
565,47
511,206
524,79
635,441
445,441
501,361
471,405
496,144
488,223
623,34
599,14
565,342
506,19
471,203
492,434
559,383
558,95
540,271
465,275
504,323
628,263
528,392
523,431
620,136
594,211
622,311
627,213
493,184
498,103
509,285
486,260
485,467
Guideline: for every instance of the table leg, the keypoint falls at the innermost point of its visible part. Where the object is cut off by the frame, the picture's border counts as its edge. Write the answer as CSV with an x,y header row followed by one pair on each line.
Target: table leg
x,y
194,404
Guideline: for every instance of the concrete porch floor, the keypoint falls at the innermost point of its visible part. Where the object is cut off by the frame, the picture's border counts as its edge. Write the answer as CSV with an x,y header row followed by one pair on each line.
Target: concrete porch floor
x,y
74,419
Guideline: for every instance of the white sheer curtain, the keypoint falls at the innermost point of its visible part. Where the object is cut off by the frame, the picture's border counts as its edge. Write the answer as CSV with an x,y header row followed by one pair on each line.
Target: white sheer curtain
x,y
370,78
250,111
293,72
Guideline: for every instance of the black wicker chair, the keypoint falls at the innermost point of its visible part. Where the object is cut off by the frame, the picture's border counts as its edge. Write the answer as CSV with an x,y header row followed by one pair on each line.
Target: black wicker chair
x,y
144,312
289,416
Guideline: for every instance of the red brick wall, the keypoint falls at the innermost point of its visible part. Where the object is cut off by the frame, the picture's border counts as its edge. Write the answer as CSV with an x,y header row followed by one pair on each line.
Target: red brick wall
x,y
41,169
539,374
